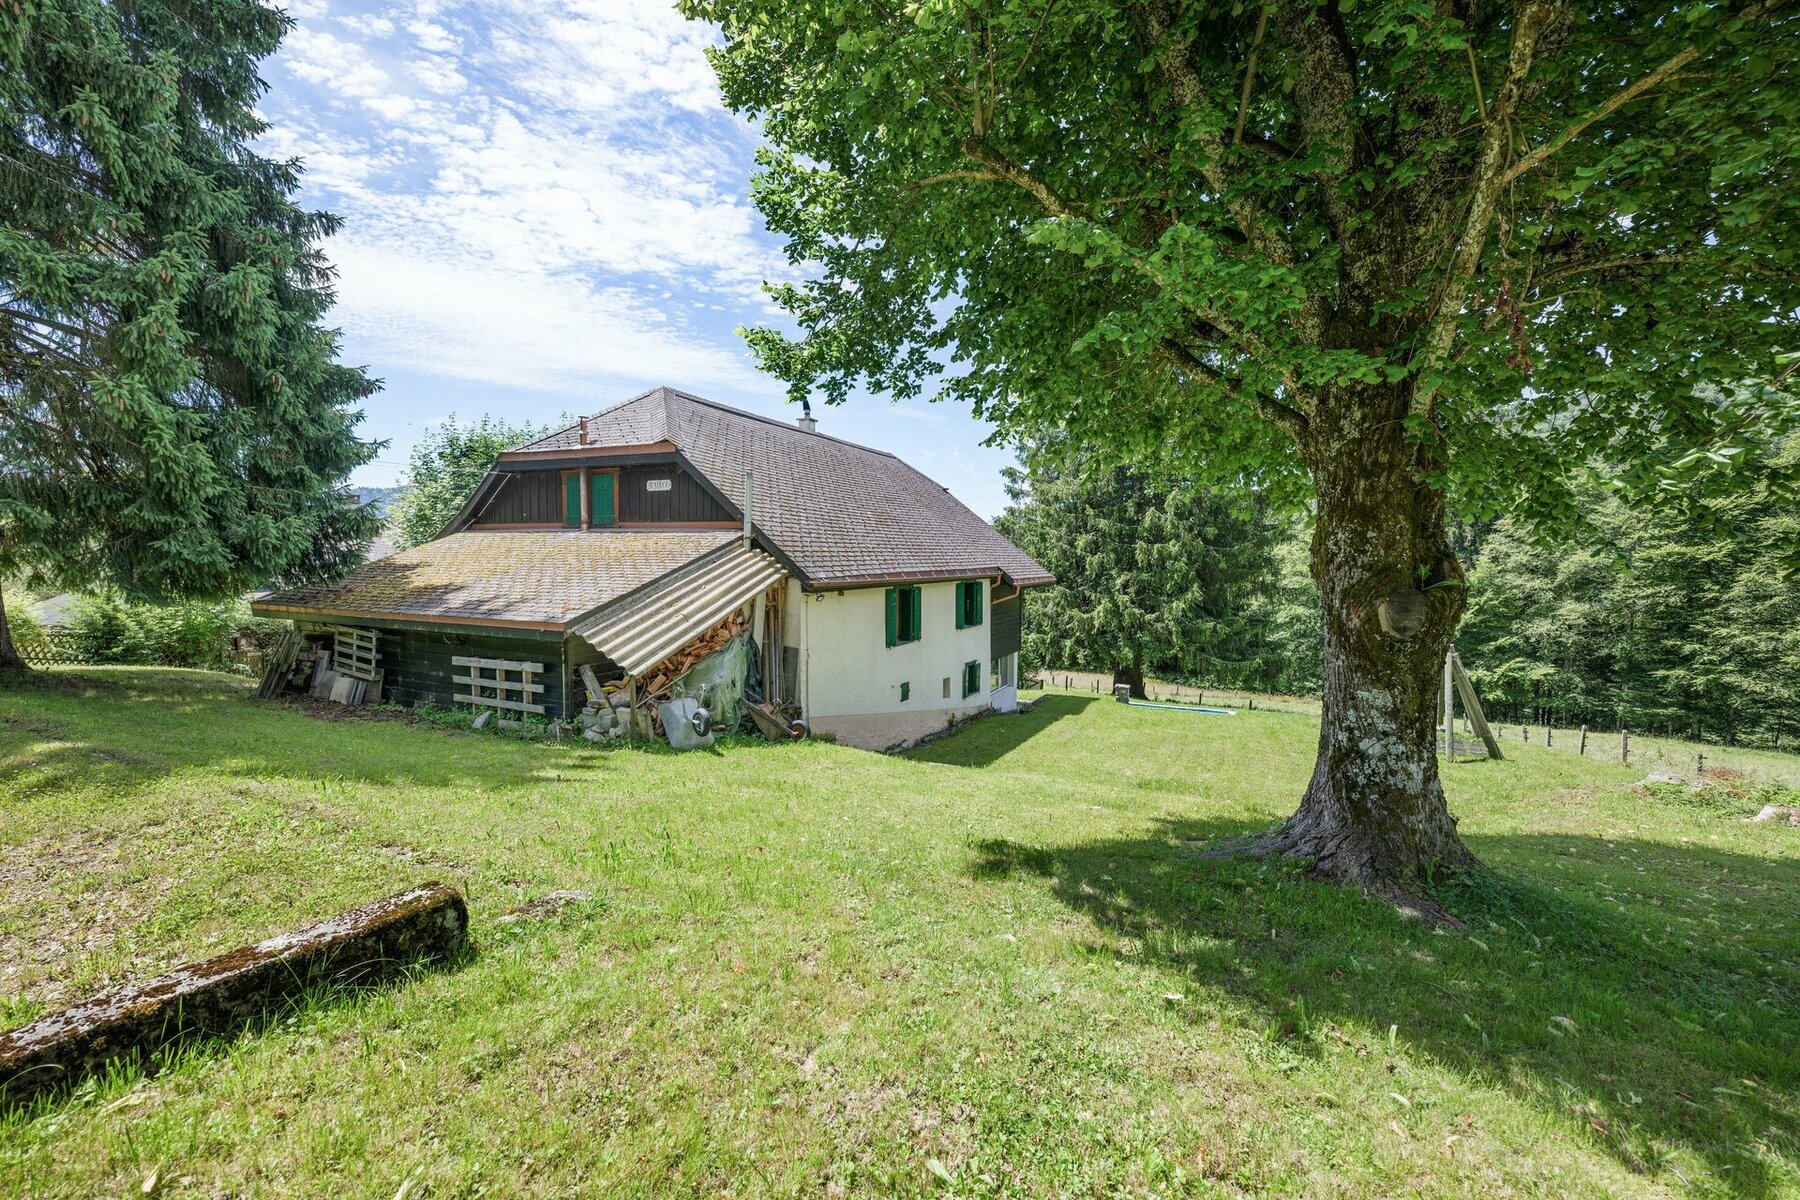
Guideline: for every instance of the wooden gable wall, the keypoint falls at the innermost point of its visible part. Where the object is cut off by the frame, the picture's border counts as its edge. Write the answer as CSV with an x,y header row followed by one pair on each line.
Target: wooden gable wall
x,y
535,497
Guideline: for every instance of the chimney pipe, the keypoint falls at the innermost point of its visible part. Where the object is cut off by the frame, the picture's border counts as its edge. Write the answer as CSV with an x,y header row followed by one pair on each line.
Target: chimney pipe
x,y
584,434
749,501
805,420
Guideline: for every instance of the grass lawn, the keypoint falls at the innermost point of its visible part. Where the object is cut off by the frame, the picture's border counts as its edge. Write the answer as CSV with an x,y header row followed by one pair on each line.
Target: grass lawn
x,y
994,968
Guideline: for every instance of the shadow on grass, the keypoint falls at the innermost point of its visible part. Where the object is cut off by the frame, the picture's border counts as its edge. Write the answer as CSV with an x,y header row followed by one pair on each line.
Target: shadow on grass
x,y
991,738
1648,994
122,727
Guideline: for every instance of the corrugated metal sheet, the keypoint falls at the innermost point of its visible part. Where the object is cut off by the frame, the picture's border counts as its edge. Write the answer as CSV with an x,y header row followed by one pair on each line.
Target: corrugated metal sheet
x,y
643,629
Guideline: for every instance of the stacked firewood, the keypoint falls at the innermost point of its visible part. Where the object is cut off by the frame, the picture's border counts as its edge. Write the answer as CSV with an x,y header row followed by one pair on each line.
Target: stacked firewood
x,y
654,684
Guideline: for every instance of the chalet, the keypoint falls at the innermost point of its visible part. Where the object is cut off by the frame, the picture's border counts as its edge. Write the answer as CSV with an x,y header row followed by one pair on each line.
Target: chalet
x,y
877,605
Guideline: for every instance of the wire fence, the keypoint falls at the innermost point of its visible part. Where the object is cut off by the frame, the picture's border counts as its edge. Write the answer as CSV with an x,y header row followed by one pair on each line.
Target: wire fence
x,y
1652,754
1161,691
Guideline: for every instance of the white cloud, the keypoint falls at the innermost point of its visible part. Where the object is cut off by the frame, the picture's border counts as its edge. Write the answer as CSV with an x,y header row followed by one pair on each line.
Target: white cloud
x,y
520,181
549,332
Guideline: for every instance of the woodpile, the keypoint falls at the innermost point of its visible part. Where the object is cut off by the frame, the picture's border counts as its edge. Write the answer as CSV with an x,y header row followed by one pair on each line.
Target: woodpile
x,y
303,665
623,707
654,684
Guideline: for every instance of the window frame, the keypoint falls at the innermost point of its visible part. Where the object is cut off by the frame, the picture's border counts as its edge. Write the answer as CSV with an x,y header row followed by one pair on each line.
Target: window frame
x,y
899,604
969,613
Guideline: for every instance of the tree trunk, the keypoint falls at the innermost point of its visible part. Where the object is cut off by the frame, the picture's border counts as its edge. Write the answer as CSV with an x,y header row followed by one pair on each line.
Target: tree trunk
x,y
10,658
1391,592
1132,674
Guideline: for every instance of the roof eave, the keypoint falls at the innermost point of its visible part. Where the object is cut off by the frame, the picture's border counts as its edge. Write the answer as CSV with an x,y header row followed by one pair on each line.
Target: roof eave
x,y
621,450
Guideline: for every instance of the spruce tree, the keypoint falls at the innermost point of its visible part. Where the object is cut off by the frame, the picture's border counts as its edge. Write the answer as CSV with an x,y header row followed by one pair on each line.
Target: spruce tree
x,y
173,420
1152,573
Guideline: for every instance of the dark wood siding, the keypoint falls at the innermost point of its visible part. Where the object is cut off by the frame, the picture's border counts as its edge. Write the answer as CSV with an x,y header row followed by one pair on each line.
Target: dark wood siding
x,y
576,653
685,501
416,666
536,498
528,498
1003,622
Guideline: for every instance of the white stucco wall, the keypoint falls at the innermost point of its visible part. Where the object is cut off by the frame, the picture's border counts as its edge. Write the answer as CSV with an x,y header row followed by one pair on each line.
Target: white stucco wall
x,y
848,669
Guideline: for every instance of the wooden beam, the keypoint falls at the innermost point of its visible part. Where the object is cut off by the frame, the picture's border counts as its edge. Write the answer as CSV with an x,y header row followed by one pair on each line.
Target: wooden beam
x,y
496,702
1472,703
505,685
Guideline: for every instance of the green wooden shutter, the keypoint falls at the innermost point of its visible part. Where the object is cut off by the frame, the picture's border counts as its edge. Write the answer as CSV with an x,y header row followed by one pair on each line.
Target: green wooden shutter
x,y
975,600
918,612
971,679
605,498
572,499
893,616
961,605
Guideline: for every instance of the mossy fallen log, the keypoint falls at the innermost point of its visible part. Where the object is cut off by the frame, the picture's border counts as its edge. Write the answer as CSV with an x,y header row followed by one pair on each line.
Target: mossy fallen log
x,y
218,997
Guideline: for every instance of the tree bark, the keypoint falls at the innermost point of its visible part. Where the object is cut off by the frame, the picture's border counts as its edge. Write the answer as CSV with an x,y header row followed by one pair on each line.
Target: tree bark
x,y
1391,592
10,658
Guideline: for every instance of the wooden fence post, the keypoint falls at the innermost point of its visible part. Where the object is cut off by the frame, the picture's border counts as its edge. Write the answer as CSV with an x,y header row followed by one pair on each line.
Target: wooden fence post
x,y
1584,739
1449,709
1624,745
1699,764
1546,735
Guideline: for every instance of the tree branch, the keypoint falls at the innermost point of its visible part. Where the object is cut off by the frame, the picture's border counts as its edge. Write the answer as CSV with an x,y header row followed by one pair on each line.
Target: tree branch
x,y
948,176
1327,105
1262,24
1619,99
1003,168
1535,18
1290,420
1263,233
1653,259
1626,95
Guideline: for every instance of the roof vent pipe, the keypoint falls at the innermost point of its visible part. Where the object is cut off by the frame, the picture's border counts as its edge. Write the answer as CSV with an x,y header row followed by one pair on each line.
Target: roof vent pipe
x,y
749,501
805,420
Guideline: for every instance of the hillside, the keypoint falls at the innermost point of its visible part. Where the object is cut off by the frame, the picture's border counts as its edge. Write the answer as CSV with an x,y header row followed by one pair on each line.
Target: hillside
x,y
996,968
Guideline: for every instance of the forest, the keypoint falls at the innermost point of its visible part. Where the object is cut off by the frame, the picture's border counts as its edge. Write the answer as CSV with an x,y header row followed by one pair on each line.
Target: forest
x,y
1680,624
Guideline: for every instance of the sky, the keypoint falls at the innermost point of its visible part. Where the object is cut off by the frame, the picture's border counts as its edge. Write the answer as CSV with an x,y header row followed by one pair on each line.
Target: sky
x,y
546,211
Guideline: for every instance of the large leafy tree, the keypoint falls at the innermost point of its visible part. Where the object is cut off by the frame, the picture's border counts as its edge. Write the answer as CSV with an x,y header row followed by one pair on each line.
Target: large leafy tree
x,y
1413,257
1151,572
444,469
173,420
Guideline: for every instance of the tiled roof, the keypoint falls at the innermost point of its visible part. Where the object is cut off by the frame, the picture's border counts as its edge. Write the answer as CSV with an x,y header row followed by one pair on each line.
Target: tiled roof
x,y
840,512
540,577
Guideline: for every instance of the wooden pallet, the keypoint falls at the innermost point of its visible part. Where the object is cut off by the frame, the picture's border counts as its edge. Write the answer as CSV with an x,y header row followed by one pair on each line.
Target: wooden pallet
x,y
353,652
511,694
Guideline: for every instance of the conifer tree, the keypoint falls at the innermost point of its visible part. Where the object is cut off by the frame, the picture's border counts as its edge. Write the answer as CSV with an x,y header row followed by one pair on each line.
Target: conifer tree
x,y
173,420
1151,573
